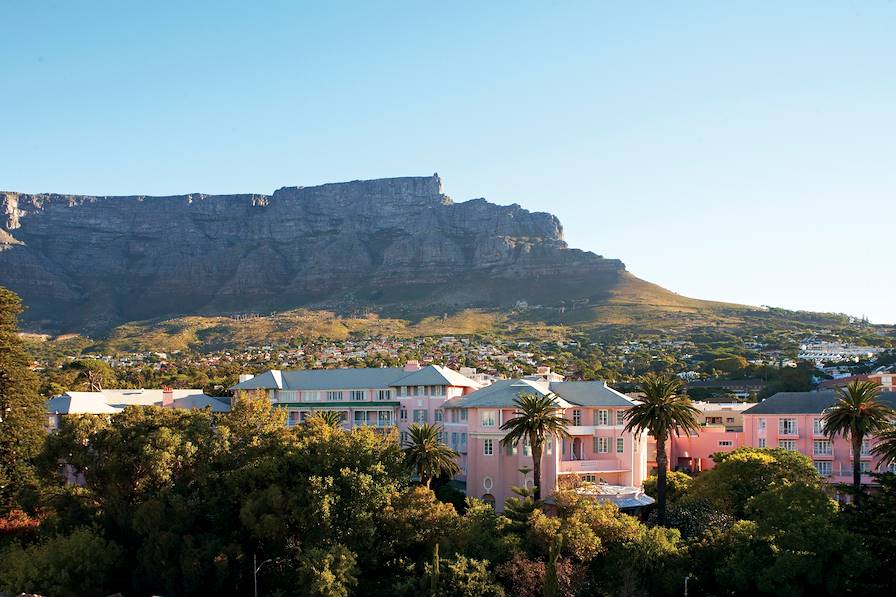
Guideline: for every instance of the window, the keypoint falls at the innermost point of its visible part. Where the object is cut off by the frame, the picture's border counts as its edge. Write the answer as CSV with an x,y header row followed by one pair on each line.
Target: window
x,y
824,467
549,446
761,443
817,427
787,444
421,391
357,395
311,396
454,440
421,415
384,418
360,418
437,415
384,394
487,483
602,417
589,478
821,447
576,417
866,467
527,447
487,447
762,426
620,445
334,395
602,445
463,441
403,414
511,449
787,426
489,417
463,414
404,437
866,447
725,443
620,417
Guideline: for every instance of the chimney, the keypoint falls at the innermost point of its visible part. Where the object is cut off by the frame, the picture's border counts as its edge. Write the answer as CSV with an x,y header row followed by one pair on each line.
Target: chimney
x,y
412,366
167,397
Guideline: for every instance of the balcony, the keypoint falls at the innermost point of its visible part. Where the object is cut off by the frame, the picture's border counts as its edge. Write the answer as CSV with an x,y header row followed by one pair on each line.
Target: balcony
x,y
582,429
591,466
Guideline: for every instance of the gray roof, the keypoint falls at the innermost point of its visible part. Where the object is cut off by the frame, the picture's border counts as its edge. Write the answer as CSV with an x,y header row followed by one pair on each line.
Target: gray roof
x,y
354,378
569,393
436,375
796,403
589,393
113,401
500,394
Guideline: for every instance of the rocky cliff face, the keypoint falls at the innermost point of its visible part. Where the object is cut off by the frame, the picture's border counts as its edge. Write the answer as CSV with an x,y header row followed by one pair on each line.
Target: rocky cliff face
x,y
88,263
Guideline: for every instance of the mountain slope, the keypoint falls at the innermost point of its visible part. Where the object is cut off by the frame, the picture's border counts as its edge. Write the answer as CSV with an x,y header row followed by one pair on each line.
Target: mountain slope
x,y
398,246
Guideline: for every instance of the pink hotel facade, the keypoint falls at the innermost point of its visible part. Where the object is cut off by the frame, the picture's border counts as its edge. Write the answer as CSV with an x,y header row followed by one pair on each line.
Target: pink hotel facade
x,y
599,451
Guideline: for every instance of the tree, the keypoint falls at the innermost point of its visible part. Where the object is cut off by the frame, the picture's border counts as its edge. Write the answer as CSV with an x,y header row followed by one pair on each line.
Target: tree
x,y
21,408
886,446
536,419
461,576
677,485
82,563
92,375
426,455
743,473
328,417
856,414
661,412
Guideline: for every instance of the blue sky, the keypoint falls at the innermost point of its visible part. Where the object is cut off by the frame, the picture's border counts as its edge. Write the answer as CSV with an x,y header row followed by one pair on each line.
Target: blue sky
x,y
733,151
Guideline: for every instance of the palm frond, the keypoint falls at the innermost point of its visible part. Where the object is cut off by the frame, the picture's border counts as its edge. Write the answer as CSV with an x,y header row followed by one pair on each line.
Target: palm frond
x,y
662,411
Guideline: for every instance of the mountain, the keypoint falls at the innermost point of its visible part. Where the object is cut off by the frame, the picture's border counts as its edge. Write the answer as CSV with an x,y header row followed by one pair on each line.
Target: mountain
x,y
395,245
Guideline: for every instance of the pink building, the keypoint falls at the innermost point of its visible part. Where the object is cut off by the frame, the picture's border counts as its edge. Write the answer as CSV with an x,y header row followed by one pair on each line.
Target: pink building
x,y
599,453
382,398
721,430
792,420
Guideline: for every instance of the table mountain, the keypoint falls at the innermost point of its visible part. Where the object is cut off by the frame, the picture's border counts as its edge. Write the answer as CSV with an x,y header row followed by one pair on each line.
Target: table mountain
x,y
89,263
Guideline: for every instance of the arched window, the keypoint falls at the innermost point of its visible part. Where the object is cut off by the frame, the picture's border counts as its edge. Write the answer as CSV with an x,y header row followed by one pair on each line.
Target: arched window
x,y
489,499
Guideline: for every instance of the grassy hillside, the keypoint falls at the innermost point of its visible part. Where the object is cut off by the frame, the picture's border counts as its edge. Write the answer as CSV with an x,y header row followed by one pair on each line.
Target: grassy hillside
x,y
633,307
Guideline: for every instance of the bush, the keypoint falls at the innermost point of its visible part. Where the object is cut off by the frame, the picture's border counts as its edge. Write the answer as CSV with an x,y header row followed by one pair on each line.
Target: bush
x,y
81,563
677,485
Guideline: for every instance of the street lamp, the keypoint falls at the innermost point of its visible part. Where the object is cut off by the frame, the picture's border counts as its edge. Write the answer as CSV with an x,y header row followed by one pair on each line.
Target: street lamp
x,y
255,568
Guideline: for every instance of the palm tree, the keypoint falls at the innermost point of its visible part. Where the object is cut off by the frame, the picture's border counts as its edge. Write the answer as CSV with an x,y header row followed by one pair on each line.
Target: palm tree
x,y
857,414
661,412
426,455
330,418
536,419
886,446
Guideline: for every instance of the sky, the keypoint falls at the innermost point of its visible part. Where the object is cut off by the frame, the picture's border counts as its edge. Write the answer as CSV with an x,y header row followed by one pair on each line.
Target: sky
x,y
736,151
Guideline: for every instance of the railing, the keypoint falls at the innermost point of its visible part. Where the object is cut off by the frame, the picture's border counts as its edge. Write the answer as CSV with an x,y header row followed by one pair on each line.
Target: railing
x,y
590,466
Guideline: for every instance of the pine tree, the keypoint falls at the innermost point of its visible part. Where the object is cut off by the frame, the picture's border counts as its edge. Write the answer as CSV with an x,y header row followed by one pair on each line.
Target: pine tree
x,y
21,408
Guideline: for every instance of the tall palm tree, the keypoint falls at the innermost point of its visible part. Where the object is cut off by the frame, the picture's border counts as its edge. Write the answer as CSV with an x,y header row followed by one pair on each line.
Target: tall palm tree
x,y
426,455
857,414
331,418
886,446
661,412
537,418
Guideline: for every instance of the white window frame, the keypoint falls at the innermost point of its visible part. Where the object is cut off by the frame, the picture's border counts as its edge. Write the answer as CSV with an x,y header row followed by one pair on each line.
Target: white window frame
x,y
488,447
620,445
489,418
